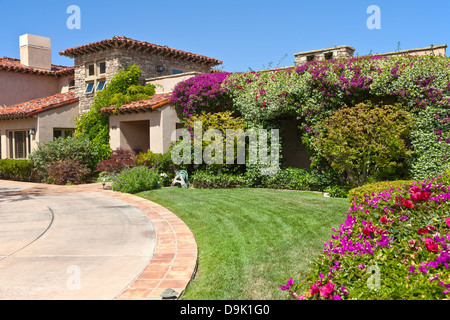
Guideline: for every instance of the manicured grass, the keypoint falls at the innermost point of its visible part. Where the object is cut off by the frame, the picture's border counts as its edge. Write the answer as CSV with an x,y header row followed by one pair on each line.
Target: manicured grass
x,y
251,240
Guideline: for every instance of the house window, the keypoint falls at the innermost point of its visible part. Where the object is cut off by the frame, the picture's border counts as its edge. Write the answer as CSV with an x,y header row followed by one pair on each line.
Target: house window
x,y
102,67
175,71
89,87
91,70
95,76
310,58
18,141
62,133
100,86
71,83
328,55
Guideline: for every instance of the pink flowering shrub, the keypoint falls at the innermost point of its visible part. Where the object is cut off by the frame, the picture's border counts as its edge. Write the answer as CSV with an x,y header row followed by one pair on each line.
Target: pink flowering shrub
x,y
392,245
201,93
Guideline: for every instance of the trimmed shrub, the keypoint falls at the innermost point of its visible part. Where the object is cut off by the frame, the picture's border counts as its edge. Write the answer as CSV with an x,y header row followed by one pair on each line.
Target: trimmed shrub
x,y
17,169
136,179
119,160
67,171
75,148
292,179
371,189
207,180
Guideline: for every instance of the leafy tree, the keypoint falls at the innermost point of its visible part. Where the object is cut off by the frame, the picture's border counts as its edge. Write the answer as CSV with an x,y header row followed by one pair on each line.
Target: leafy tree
x,y
365,140
123,88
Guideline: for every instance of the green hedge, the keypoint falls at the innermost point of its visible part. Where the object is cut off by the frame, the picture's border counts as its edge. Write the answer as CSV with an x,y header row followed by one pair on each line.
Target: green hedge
x,y
372,189
14,169
206,180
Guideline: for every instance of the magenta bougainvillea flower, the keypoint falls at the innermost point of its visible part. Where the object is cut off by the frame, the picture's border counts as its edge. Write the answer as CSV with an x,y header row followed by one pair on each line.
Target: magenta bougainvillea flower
x,y
431,245
326,290
288,285
314,289
200,93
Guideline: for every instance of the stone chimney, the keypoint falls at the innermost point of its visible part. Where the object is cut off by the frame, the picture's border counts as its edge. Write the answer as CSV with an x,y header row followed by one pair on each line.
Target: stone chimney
x,y
35,51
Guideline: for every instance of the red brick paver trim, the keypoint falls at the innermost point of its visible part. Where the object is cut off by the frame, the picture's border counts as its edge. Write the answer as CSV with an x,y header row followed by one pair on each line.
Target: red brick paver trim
x,y
174,261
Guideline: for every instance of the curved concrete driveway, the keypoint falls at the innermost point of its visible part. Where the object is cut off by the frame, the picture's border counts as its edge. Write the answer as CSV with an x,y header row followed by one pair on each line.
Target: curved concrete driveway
x,y
83,242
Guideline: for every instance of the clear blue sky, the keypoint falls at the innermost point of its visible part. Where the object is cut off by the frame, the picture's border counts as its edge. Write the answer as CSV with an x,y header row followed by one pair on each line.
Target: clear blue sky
x,y
244,33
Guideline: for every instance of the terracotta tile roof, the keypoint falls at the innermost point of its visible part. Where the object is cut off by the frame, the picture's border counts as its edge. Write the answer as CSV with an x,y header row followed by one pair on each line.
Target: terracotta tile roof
x,y
124,42
32,107
11,64
156,101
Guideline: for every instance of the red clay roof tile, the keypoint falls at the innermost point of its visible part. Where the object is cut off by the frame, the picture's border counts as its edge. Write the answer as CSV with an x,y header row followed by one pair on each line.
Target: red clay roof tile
x,y
156,101
11,64
32,107
121,41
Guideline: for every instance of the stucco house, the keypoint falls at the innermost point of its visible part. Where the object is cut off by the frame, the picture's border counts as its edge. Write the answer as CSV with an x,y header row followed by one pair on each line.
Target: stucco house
x,y
40,101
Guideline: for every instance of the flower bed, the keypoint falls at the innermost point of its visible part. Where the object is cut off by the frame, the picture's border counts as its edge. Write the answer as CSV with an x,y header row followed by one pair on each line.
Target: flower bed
x,y
393,245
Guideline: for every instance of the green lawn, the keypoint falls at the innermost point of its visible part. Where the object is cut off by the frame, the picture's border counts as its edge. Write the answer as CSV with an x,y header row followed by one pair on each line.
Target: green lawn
x,y
251,240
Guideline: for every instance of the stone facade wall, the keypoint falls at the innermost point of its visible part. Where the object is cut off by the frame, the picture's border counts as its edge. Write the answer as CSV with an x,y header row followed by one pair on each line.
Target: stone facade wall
x,y
340,52
118,59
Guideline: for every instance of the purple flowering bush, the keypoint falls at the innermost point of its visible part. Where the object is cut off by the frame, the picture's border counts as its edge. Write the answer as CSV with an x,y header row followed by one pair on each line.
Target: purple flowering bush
x,y
392,245
201,93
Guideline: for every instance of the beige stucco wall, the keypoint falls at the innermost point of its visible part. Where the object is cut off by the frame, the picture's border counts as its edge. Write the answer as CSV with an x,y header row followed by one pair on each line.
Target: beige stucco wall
x,y
43,123
19,87
62,117
162,122
166,84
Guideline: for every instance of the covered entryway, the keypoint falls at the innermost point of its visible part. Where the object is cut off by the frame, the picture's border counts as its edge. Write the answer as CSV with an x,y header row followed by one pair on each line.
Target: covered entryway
x,y
135,135
143,125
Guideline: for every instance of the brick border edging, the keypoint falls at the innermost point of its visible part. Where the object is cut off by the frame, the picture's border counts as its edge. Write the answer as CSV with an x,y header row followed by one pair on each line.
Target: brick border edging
x,y
174,261
175,258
